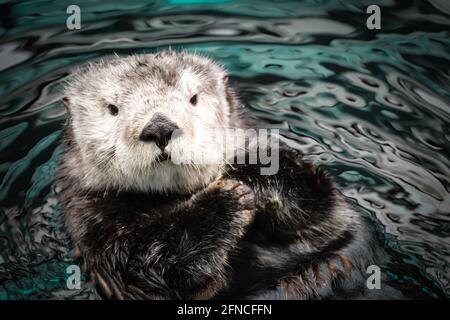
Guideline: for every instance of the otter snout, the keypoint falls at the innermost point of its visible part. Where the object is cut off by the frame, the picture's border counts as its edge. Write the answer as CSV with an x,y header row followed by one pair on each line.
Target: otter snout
x,y
158,130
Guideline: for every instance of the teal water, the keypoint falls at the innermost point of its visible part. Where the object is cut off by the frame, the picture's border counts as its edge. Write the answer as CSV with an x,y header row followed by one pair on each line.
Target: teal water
x,y
371,106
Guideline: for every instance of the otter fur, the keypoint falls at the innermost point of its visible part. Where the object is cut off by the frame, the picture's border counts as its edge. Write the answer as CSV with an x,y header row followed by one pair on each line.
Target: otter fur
x,y
147,228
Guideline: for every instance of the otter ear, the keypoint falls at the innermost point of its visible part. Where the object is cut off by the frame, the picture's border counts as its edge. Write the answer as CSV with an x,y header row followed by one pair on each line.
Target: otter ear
x,y
67,105
225,79
66,102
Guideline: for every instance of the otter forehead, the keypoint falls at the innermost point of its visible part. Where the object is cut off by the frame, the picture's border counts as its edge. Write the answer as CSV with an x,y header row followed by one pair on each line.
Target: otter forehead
x,y
153,75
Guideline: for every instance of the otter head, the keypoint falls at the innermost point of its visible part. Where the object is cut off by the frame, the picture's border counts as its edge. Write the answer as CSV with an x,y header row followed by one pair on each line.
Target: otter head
x,y
137,123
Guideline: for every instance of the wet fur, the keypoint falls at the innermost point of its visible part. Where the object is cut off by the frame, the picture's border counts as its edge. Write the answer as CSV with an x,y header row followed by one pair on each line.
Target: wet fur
x,y
226,232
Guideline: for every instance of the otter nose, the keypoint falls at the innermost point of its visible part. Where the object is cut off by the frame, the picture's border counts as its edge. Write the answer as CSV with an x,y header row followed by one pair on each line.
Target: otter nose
x,y
158,130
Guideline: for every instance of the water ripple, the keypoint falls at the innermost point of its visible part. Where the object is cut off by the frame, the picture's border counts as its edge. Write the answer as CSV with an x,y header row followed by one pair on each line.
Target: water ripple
x,y
371,107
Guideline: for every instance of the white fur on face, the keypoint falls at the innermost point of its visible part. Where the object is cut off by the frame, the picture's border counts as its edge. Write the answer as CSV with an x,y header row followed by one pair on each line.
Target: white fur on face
x,y
111,153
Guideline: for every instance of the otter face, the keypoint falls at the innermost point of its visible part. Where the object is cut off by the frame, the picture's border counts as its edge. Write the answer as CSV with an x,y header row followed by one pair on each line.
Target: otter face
x,y
129,116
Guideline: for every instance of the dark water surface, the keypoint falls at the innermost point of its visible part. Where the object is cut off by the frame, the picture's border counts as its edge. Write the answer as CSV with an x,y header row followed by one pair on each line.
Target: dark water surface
x,y
373,107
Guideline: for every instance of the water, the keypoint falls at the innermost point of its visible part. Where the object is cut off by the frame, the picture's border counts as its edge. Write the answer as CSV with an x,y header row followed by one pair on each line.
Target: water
x,y
373,107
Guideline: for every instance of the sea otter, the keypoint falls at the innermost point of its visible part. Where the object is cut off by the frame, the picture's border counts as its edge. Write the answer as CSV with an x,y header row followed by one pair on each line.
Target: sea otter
x,y
146,227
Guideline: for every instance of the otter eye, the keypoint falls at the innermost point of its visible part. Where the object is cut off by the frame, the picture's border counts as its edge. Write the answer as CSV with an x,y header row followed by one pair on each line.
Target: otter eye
x,y
113,109
194,100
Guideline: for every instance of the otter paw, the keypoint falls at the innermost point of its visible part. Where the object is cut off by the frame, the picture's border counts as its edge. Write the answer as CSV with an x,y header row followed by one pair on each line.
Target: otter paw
x,y
245,196
238,190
